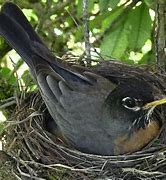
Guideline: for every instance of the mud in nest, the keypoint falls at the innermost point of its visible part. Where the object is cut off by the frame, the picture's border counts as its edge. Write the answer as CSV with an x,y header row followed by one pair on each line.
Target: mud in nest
x,y
37,154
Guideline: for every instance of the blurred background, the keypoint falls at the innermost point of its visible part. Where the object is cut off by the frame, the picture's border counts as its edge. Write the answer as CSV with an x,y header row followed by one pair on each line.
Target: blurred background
x,y
118,30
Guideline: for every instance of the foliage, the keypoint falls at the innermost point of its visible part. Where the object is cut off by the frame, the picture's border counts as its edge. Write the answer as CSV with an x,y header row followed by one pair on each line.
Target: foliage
x,y
118,27
7,81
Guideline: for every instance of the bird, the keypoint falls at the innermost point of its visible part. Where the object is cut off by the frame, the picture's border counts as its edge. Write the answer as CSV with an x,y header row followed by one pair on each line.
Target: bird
x,y
108,109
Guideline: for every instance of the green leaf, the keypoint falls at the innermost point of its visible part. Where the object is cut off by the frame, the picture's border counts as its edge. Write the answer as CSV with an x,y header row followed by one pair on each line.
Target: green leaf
x,y
103,20
151,4
141,26
79,34
96,23
6,74
5,71
113,3
79,7
111,17
12,80
116,42
103,4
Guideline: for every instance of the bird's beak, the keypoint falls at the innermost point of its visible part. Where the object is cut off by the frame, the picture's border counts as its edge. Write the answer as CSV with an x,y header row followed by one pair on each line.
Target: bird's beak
x,y
155,103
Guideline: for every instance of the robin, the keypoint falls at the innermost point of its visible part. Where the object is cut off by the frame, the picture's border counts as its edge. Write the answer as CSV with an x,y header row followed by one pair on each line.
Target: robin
x,y
108,109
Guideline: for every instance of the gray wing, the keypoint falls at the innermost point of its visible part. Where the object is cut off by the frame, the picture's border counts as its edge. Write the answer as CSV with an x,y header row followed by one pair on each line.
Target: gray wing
x,y
78,109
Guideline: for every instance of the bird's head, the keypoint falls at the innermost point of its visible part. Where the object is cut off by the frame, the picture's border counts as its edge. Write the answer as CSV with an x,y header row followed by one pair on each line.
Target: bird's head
x,y
135,111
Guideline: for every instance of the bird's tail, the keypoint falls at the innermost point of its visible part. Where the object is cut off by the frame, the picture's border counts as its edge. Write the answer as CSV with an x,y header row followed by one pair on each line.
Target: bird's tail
x,y
18,32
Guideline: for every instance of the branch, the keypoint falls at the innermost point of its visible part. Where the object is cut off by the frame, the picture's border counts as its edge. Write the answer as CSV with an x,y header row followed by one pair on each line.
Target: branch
x,y
160,35
86,31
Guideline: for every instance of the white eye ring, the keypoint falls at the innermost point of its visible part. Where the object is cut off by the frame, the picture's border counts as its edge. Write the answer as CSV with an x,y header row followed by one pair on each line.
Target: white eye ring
x,y
130,103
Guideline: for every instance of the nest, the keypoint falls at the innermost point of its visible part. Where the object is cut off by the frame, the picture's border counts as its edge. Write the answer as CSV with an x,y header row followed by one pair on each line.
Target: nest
x,y
35,153
38,154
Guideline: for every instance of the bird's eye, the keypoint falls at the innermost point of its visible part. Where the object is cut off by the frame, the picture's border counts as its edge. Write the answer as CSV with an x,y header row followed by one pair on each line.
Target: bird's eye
x,y
130,103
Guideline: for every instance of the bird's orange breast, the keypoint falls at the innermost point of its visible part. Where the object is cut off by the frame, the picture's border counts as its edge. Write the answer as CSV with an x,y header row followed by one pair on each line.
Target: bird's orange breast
x,y
130,143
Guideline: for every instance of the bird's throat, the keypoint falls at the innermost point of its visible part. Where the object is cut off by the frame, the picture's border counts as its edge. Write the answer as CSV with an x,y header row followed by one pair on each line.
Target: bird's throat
x,y
138,139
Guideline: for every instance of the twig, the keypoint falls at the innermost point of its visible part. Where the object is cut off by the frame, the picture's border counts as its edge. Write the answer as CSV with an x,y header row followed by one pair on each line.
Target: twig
x,y
3,106
11,123
133,170
73,18
160,36
86,31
